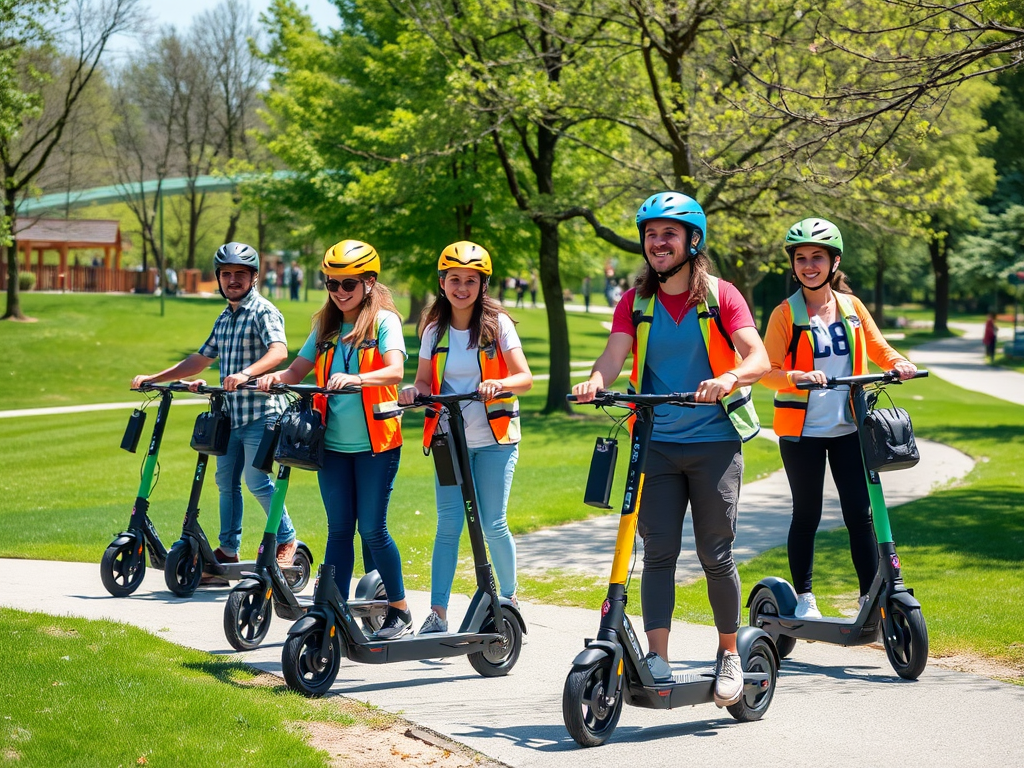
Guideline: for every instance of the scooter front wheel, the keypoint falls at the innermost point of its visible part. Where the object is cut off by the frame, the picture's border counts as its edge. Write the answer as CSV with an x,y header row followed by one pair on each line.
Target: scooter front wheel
x,y
498,658
183,569
906,640
305,670
757,697
245,624
589,713
764,603
119,576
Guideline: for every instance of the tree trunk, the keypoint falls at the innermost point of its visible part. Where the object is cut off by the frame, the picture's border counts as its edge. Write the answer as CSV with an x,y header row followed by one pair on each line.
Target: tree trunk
x,y
879,311
194,211
417,303
940,266
11,251
558,330
236,214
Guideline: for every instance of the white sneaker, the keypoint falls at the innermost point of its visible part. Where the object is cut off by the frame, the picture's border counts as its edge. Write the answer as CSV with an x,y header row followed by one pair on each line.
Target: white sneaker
x,y
729,679
433,623
860,602
807,607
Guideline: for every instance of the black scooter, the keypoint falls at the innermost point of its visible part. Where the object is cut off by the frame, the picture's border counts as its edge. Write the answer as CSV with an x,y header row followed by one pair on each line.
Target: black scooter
x,y
192,556
266,589
611,668
890,606
123,565
492,630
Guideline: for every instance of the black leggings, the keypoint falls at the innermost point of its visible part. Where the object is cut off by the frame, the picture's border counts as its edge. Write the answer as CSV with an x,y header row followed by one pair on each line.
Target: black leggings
x,y
804,461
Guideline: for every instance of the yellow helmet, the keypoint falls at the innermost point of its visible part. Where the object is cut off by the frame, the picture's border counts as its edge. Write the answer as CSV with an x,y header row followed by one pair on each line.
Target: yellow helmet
x,y
350,257
465,255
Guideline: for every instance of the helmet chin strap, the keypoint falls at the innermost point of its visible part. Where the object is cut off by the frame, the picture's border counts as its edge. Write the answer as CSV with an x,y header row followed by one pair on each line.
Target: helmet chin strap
x,y
664,276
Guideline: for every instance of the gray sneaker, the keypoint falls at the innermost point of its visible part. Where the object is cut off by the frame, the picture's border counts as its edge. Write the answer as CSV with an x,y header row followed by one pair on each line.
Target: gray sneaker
x,y
729,679
396,624
434,623
660,669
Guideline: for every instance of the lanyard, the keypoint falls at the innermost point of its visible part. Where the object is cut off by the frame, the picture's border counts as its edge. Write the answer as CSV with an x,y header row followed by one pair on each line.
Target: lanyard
x,y
346,354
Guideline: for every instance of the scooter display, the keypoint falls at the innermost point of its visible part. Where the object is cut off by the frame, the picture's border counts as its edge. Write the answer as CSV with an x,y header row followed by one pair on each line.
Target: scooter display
x,y
266,590
491,632
890,606
123,565
611,668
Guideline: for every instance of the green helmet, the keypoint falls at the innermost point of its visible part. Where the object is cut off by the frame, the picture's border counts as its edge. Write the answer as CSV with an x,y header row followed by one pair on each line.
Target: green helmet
x,y
815,232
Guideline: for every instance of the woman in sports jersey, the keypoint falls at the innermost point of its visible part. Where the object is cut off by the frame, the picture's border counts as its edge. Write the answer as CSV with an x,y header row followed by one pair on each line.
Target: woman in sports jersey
x,y
820,332
469,343
688,332
357,341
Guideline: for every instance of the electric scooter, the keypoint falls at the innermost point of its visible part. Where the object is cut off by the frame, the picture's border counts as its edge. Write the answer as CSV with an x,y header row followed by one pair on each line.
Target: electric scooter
x,y
123,565
890,606
492,630
192,556
611,669
266,590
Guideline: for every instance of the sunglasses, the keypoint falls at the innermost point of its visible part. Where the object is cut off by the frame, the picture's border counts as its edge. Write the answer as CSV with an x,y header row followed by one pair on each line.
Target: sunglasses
x,y
348,285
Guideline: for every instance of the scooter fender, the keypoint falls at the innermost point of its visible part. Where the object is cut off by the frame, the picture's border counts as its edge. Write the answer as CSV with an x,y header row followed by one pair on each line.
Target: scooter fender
x,y
248,584
597,651
124,538
785,595
905,599
366,589
745,638
306,622
507,606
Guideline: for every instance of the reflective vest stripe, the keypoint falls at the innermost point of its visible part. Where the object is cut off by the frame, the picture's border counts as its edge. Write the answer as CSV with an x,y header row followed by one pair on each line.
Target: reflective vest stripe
x,y
385,434
721,355
791,403
502,413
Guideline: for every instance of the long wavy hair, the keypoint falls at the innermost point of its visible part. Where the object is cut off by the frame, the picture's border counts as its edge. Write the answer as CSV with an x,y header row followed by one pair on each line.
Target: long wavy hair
x,y
483,324
328,319
700,267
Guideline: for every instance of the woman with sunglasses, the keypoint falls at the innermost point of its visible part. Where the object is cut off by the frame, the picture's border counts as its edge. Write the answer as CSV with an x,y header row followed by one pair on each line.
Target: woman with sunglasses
x,y
469,343
357,341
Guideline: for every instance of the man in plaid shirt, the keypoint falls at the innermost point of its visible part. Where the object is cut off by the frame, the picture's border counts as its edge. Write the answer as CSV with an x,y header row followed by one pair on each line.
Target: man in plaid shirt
x,y
249,339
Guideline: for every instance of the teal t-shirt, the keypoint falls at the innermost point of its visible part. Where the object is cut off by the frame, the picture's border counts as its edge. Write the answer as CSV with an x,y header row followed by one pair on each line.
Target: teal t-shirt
x,y
346,422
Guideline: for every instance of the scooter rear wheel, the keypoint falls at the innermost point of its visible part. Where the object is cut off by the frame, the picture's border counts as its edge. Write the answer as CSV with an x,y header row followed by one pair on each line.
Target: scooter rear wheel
x,y
297,580
304,670
763,603
588,716
118,576
244,626
183,570
498,658
907,646
756,699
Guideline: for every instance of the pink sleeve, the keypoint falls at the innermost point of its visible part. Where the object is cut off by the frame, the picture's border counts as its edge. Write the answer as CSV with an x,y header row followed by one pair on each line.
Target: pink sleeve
x,y
622,320
735,312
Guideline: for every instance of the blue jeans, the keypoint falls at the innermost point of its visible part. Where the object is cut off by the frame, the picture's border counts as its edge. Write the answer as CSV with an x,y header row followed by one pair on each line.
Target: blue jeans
x,y
230,467
492,469
356,488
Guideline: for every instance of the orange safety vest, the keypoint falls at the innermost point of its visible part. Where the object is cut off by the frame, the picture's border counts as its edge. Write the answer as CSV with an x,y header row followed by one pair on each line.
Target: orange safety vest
x,y
502,413
385,434
722,355
791,403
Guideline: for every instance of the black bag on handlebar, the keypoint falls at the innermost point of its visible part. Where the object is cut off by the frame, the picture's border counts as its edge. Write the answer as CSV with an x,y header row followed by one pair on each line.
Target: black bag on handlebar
x,y
264,458
300,437
212,430
888,439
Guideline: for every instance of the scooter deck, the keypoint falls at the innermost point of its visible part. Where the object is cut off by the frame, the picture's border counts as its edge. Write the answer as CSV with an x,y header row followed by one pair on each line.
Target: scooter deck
x,y
435,645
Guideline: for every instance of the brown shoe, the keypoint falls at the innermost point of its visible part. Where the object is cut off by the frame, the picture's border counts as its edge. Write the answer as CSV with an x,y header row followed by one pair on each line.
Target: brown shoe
x,y
286,552
212,580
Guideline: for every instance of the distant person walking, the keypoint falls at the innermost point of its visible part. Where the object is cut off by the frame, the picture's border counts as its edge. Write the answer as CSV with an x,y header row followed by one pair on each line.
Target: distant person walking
x,y
520,292
991,334
271,281
586,293
534,284
296,281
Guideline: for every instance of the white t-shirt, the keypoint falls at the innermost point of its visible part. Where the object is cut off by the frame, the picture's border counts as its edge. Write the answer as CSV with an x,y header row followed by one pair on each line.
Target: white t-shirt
x,y
828,410
462,373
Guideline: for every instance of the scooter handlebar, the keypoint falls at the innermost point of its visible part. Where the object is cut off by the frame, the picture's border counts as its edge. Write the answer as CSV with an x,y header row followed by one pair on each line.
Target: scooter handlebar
x,y
605,397
888,377
393,409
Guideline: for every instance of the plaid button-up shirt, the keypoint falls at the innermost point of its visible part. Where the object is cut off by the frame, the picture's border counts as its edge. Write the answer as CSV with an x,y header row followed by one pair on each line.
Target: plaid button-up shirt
x,y
239,339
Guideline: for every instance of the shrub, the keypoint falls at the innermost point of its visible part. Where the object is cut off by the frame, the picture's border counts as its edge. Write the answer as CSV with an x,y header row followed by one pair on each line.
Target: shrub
x,y
26,281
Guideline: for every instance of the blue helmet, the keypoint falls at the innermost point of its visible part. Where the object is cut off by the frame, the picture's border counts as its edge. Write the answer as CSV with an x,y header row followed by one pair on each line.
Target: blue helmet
x,y
679,207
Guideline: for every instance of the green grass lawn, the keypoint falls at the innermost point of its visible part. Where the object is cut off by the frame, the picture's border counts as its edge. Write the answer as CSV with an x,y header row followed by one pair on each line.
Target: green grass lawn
x,y
79,692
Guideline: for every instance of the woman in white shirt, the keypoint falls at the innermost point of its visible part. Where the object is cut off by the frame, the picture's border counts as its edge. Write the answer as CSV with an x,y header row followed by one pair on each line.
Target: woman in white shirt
x,y
469,343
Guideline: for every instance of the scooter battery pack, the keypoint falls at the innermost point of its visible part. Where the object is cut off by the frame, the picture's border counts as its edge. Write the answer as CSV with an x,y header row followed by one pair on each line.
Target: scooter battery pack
x,y
133,431
264,458
602,473
446,463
